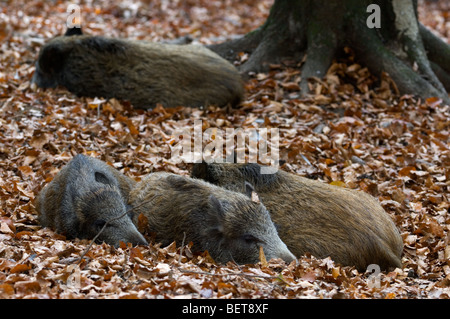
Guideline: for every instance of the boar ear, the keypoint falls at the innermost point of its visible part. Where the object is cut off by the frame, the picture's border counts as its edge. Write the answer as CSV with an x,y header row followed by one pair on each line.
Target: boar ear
x,y
216,213
217,206
251,193
52,58
73,31
249,189
102,178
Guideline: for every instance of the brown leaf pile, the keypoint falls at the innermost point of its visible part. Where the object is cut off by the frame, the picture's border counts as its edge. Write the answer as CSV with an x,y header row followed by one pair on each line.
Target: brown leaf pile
x,y
355,131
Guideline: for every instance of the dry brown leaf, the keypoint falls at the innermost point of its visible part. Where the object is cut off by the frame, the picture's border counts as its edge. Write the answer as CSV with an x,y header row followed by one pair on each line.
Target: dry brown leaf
x,y
355,128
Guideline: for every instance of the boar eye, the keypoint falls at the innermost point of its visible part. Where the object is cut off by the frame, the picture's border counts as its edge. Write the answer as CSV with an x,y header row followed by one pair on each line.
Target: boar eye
x,y
250,239
99,223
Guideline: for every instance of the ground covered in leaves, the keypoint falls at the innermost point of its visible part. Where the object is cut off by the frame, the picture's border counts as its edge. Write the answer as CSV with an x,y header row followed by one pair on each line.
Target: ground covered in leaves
x,y
355,131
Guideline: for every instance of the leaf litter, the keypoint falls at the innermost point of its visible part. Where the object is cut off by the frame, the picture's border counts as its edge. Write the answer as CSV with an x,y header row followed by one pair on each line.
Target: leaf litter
x,y
355,131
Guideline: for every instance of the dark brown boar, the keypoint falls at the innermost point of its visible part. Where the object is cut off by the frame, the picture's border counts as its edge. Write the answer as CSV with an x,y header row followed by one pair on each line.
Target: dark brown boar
x,y
83,196
141,72
325,220
229,225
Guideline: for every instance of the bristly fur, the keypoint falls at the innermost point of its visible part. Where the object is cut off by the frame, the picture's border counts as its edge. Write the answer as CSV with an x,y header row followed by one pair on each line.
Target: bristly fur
x,y
227,224
141,72
83,196
322,219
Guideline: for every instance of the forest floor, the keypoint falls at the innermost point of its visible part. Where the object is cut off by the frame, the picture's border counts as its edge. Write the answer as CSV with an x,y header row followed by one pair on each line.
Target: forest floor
x,y
354,131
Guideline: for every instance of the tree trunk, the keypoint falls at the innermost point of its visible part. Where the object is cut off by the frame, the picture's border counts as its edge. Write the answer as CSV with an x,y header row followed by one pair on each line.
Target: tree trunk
x,y
416,59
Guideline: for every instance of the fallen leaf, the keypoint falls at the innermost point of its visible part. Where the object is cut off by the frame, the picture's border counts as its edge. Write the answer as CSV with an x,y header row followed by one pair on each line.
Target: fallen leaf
x,y
262,257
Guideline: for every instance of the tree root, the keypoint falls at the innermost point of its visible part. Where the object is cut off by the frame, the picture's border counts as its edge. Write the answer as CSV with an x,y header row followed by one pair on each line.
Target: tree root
x,y
263,49
319,59
442,75
416,53
278,39
378,58
230,49
322,43
438,53
437,50
416,59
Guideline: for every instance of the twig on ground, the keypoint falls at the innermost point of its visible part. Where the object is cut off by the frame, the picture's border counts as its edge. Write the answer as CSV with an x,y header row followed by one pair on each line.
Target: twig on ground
x,y
106,224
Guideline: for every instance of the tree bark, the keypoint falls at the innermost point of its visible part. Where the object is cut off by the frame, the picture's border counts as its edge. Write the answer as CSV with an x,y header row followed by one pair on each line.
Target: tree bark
x,y
416,59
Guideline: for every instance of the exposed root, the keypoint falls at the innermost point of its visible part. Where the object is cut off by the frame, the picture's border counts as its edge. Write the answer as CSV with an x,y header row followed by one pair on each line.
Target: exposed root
x,y
316,65
268,52
322,44
407,28
420,63
442,75
229,49
373,53
437,50
265,49
417,55
279,38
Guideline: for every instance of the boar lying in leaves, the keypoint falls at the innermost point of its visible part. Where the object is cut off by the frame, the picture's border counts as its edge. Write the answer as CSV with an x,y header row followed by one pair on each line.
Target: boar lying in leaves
x,y
83,196
325,220
143,73
87,193
228,224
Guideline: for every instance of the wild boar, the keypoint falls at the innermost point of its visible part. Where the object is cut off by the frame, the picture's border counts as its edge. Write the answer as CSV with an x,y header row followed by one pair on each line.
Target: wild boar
x,y
229,225
83,196
349,226
143,73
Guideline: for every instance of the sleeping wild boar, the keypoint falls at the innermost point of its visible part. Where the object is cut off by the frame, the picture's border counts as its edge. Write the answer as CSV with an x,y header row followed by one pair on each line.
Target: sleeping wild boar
x,y
143,73
229,225
83,196
325,220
